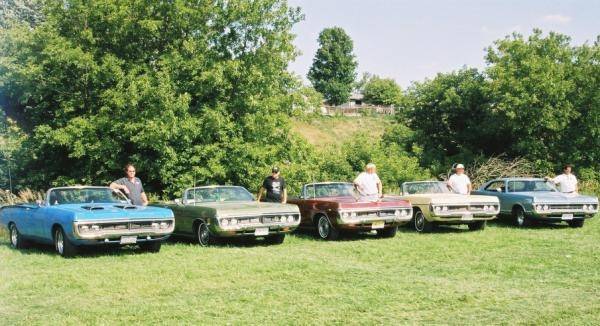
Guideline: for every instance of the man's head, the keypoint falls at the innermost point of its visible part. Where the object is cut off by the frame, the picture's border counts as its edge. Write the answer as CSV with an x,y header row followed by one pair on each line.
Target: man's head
x,y
460,169
275,172
129,170
370,168
567,168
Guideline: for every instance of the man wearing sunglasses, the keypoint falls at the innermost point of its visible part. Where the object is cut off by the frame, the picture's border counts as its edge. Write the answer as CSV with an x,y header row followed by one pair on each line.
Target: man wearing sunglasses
x,y
131,186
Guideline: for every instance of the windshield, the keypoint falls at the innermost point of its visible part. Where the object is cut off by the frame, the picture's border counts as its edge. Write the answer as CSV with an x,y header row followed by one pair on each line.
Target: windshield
x,y
341,189
530,185
430,187
85,195
218,194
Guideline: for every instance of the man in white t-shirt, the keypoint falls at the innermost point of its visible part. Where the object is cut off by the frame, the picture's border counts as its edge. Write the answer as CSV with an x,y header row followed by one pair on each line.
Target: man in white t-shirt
x,y
460,182
368,184
567,182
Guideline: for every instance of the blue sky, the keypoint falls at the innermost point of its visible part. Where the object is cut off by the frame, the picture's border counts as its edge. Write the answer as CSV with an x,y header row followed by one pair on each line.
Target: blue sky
x,y
412,40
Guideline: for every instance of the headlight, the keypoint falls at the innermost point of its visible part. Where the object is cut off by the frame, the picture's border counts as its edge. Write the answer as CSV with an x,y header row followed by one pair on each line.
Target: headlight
x,y
84,227
403,212
397,212
546,207
155,225
445,208
290,219
438,208
345,215
485,207
164,225
224,222
95,227
233,221
353,214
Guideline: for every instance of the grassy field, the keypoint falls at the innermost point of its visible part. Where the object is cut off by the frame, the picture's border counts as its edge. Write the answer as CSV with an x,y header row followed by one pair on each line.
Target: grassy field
x,y
502,275
323,131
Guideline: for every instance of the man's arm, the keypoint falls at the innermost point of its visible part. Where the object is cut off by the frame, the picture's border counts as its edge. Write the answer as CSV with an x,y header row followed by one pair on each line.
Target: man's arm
x,y
117,186
284,197
380,189
470,188
144,199
260,192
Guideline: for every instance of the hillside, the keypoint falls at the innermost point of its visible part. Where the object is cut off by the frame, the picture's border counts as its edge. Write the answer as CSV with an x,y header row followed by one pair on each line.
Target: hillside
x,y
324,130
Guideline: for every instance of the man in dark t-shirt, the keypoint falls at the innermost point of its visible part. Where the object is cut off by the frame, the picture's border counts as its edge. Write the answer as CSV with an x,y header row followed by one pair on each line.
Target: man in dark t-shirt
x,y
131,186
274,186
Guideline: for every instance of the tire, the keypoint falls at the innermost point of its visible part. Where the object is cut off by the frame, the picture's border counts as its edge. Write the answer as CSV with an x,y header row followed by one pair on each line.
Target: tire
x,y
519,218
16,239
62,244
325,230
576,223
421,224
275,239
477,226
388,232
203,236
151,246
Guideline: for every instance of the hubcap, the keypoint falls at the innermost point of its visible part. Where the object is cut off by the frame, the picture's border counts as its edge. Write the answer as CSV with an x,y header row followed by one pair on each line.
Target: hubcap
x,y
60,243
203,234
14,235
323,227
419,221
520,217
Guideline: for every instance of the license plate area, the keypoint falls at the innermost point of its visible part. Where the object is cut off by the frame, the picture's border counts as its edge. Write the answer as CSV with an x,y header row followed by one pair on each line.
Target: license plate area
x,y
378,225
128,239
467,217
567,217
261,231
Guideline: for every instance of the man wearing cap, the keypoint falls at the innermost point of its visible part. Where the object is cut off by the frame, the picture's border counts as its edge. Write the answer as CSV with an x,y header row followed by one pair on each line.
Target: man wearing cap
x,y
368,184
460,182
274,185
567,182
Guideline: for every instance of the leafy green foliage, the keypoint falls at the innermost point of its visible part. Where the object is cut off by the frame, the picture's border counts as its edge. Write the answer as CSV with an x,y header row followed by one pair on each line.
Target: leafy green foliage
x,y
382,91
334,67
187,91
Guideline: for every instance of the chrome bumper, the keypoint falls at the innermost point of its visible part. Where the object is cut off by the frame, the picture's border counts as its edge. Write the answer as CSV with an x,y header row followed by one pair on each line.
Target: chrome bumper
x,y
250,229
111,234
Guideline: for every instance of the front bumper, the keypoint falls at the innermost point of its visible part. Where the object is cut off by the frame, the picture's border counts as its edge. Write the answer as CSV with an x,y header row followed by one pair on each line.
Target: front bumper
x,y
117,241
458,217
557,216
131,228
254,230
373,220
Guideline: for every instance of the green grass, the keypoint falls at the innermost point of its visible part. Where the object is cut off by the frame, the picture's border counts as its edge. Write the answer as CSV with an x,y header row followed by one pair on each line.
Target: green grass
x,y
546,274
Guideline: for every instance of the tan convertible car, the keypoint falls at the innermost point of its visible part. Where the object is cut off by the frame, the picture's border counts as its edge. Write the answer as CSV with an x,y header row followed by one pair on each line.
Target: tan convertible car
x,y
434,203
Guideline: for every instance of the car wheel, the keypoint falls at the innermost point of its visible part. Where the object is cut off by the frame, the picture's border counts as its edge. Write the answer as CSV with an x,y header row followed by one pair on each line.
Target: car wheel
x,y
476,226
275,239
388,232
576,223
16,240
151,246
325,230
62,245
203,235
519,218
421,223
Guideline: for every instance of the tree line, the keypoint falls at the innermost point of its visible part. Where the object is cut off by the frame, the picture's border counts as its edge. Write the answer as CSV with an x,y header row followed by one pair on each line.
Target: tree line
x,y
199,93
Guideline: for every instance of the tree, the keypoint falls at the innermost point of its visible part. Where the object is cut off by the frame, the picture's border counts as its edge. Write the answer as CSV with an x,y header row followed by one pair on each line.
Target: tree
x,y
334,67
382,91
20,11
187,91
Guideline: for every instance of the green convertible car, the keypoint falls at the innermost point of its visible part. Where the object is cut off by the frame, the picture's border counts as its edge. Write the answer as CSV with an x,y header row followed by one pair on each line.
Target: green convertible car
x,y
212,212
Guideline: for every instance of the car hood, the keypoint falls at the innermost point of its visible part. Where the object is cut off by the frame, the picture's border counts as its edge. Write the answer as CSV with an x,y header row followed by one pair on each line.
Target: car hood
x,y
559,197
113,211
349,202
250,208
452,198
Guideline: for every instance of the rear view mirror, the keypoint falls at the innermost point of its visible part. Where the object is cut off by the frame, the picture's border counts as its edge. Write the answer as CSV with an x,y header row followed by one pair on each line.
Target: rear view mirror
x,y
498,189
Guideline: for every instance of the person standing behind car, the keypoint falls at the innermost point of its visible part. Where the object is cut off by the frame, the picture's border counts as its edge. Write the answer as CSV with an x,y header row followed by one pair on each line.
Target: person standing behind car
x,y
460,182
274,186
368,184
131,186
567,182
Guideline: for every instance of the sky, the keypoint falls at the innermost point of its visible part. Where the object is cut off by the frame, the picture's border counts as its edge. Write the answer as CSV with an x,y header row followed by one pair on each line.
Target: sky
x,y
413,40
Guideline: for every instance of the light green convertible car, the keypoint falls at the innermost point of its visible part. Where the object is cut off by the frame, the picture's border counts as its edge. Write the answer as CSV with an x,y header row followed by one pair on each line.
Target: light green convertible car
x,y
434,203
212,212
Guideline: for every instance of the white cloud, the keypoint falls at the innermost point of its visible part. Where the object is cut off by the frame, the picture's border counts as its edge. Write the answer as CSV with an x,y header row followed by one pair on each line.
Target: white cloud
x,y
557,18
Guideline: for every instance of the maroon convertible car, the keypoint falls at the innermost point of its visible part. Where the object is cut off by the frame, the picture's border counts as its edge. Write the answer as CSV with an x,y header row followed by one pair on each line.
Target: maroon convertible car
x,y
331,207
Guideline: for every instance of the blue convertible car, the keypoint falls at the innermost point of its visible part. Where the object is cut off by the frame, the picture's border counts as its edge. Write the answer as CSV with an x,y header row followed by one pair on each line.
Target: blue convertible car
x,y
529,199
86,216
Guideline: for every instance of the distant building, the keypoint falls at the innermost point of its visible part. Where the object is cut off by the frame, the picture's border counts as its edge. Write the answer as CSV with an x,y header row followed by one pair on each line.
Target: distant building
x,y
355,106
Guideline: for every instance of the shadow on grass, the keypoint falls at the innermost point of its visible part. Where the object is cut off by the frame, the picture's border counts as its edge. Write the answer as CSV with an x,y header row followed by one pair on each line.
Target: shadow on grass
x,y
242,242
506,223
36,248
